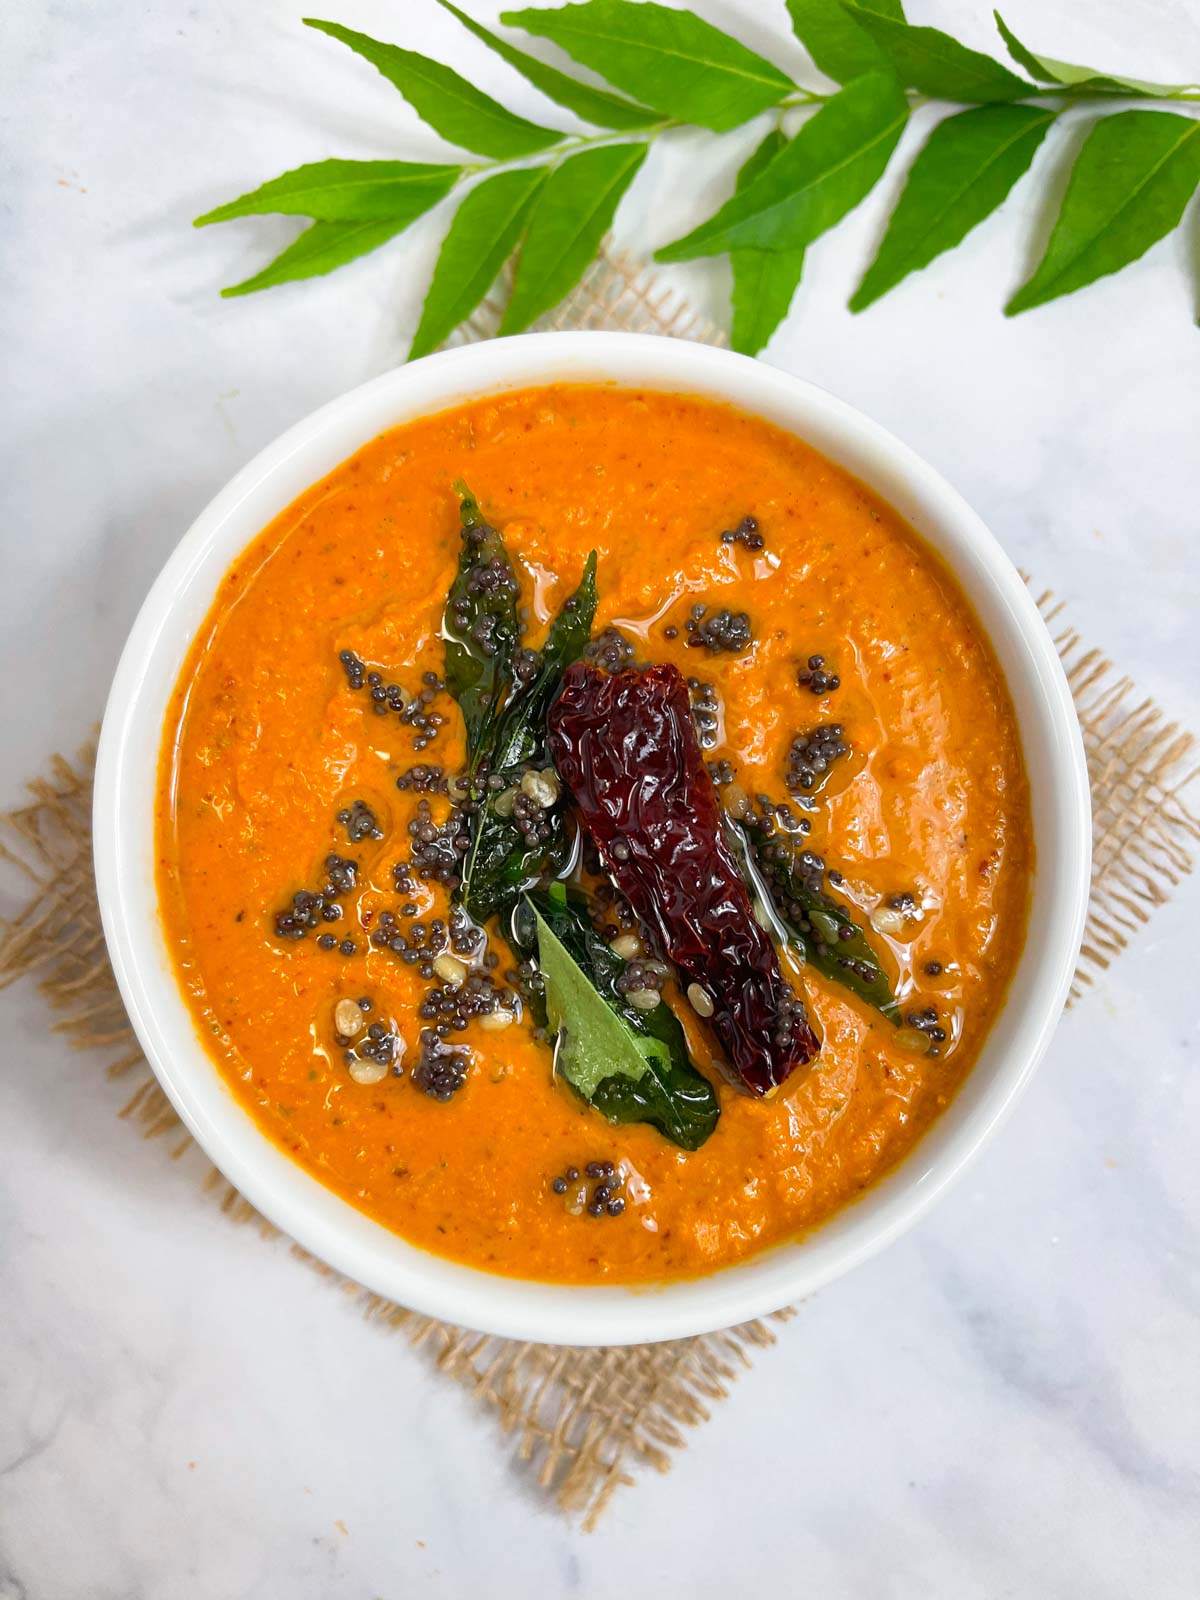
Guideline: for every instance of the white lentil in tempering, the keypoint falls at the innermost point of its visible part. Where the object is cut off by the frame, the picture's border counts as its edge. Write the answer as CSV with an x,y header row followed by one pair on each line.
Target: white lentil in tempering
x,y
645,999
450,969
699,1000
886,921
543,788
368,1072
347,1018
737,802
493,1021
912,1039
626,945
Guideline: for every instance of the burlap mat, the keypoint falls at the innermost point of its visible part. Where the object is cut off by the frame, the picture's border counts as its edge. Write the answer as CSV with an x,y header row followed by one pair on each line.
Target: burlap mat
x,y
582,1419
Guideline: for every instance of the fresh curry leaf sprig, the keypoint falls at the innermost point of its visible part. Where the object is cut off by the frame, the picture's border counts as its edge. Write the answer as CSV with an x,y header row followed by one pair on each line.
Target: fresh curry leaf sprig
x,y
542,198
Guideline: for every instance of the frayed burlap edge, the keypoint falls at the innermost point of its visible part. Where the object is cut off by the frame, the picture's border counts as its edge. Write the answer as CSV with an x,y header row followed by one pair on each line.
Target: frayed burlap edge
x,y
1140,767
615,295
581,1418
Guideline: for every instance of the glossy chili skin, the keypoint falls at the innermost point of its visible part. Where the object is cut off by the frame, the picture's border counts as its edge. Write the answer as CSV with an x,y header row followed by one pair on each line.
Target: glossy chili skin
x,y
626,747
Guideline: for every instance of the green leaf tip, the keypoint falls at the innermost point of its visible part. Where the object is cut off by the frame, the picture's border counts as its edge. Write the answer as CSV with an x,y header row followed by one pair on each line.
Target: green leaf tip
x,y
345,191
444,99
1129,187
962,175
596,106
684,67
318,250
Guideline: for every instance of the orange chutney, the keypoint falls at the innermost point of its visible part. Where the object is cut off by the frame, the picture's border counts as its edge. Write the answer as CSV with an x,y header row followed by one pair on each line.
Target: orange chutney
x,y
264,743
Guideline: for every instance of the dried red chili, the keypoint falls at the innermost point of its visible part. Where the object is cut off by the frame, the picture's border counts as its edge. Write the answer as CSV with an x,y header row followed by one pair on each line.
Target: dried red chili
x,y
626,747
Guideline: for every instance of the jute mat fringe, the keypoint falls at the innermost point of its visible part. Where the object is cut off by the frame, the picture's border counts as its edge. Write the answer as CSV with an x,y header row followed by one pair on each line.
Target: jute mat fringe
x,y
582,1420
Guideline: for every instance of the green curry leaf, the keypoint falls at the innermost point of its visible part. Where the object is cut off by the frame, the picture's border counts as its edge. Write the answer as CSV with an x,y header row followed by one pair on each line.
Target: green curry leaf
x,y
1133,177
345,191
571,216
837,44
1047,70
485,231
455,108
631,1065
832,163
965,171
935,63
319,249
671,60
596,106
669,68
764,281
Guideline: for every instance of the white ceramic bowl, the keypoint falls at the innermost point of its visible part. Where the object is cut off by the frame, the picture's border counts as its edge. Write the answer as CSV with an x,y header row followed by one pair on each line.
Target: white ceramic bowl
x,y
124,843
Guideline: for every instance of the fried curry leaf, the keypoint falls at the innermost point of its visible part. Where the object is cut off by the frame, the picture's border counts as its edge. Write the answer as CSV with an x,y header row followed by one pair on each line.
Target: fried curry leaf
x,y
500,863
631,1065
480,624
501,866
521,730
831,941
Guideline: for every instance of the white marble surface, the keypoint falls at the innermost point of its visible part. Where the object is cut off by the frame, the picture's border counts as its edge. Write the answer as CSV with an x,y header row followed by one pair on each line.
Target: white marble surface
x,y
1008,1403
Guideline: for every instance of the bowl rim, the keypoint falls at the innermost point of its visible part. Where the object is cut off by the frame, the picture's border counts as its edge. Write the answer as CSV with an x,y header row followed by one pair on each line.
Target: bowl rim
x,y
296,1202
